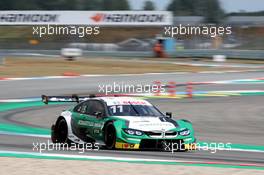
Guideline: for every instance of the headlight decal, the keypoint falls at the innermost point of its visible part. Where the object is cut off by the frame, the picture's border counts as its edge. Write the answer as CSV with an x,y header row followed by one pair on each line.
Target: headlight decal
x,y
184,132
133,132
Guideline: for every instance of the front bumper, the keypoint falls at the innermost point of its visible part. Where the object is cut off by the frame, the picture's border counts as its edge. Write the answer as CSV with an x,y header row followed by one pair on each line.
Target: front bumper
x,y
158,144
123,145
126,141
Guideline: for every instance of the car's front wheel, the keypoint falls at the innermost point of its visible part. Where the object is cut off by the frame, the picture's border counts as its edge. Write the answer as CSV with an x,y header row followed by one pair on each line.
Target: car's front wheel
x,y
110,136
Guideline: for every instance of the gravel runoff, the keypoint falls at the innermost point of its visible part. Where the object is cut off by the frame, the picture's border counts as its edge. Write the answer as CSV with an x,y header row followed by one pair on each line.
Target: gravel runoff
x,y
26,166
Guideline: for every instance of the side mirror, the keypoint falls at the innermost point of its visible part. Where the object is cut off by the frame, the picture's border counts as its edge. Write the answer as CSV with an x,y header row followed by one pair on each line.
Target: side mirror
x,y
98,114
169,114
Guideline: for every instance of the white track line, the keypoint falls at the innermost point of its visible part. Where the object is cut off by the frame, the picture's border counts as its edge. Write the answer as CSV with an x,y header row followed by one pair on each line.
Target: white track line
x,y
201,148
119,75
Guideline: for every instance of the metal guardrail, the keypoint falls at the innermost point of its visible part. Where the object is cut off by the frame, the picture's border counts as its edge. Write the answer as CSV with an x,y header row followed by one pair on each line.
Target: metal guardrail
x,y
239,54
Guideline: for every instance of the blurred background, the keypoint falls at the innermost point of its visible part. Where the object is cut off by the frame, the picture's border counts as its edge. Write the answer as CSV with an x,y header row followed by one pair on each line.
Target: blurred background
x,y
245,16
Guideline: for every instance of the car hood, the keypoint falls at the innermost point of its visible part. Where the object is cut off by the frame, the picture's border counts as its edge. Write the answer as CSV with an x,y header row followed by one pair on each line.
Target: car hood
x,y
149,123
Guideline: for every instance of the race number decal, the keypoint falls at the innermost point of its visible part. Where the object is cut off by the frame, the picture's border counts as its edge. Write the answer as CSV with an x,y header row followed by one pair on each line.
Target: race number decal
x,y
116,109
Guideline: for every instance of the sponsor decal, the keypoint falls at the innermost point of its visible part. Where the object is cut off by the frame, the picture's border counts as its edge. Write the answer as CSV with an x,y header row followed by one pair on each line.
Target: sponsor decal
x,y
155,124
33,17
86,18
121,145
136,102
98,124
85,123
89,123
191,146
116,101
96,131
98,17
127,17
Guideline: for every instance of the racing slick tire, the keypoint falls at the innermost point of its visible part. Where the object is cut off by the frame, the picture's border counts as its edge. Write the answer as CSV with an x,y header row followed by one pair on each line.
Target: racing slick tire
x,y
53,135
59,132
110,136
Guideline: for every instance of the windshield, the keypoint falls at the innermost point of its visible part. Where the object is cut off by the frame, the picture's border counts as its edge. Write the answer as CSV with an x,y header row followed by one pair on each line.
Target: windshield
x,y
134,110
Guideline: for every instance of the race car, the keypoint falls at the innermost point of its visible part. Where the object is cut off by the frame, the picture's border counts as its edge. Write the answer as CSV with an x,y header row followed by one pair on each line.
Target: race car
x,y
119,122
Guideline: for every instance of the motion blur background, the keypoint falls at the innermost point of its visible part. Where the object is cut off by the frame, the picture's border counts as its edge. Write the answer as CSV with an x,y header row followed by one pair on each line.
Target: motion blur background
x,y
245,17
224,101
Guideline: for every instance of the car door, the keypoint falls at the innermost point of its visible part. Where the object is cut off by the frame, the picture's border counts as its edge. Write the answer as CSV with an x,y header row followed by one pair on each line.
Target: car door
x,y
95,122
80,121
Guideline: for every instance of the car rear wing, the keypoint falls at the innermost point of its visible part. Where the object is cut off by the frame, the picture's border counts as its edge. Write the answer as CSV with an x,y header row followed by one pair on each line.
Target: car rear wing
x,y
74,98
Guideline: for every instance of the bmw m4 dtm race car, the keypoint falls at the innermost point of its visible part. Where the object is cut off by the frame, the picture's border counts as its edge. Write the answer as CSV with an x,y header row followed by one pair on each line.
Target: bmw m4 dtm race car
x,y
119,123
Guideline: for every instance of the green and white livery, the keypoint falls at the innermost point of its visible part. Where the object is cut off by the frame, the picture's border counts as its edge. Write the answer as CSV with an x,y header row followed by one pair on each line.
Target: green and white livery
x,y
120,123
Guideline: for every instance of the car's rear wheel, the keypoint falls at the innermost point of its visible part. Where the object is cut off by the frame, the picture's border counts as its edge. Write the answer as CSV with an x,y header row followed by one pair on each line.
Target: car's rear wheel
x,y
53,134
110,136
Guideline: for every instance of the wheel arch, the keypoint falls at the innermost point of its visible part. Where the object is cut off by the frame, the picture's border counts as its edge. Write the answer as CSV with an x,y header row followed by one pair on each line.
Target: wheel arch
x,y
58,119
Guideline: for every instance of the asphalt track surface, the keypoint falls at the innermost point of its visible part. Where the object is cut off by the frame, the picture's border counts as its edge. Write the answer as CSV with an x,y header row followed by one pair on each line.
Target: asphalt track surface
x,y
79,85
219,119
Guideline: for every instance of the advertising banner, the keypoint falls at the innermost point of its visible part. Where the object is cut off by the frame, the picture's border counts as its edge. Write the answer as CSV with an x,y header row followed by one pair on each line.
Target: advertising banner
x,y
96,18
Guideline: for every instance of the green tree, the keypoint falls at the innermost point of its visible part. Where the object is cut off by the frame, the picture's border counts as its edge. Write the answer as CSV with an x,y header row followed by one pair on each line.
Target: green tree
x,y
123,5
214,12
115,5
148,5
57,5
64,5
91,5
18,5
210,9
182,7
6,5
